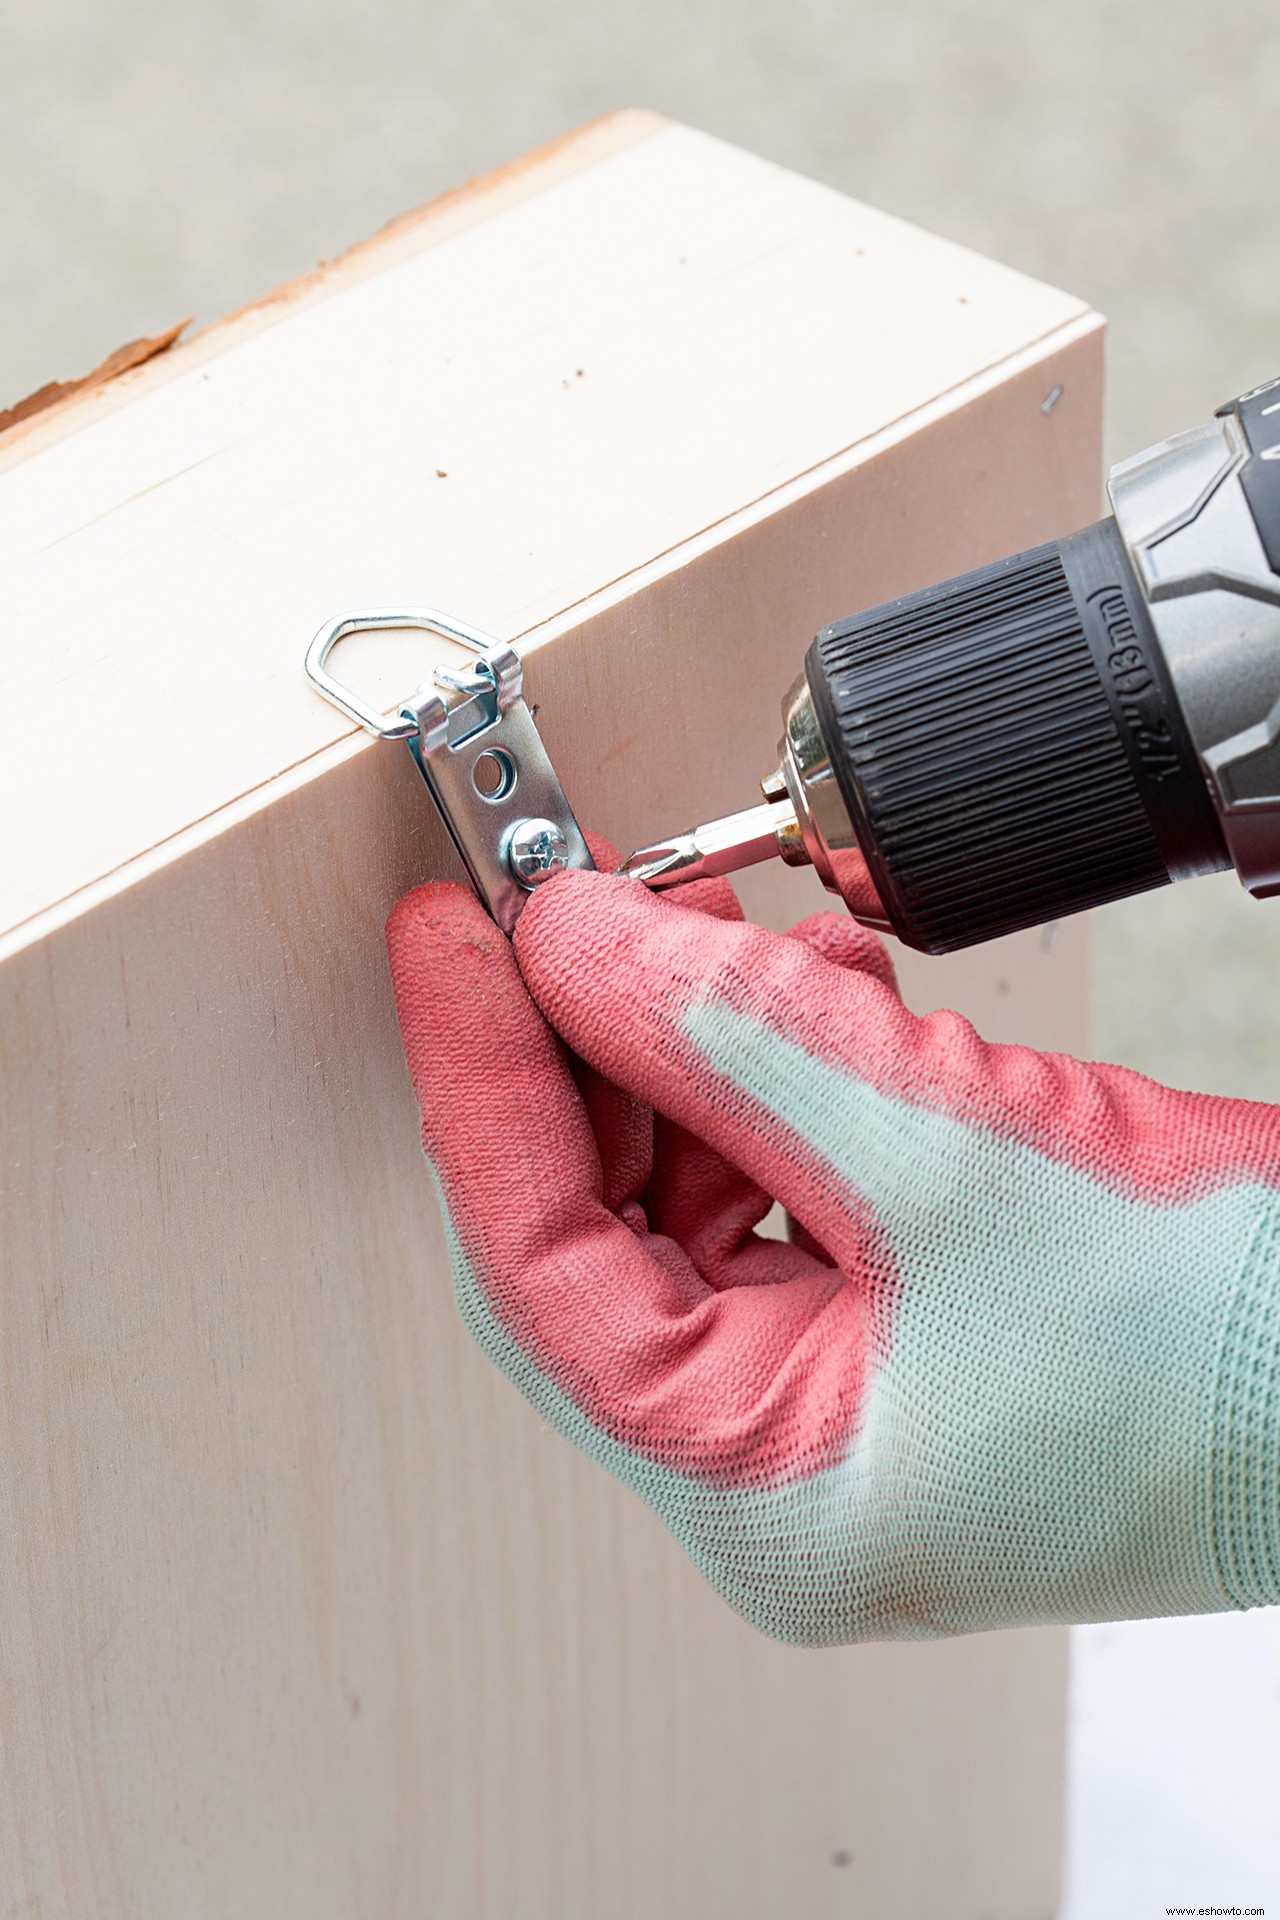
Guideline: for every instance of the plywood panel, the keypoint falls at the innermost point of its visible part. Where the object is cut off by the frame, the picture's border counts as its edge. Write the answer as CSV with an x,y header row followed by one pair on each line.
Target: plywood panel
x,y
694,330
301,1611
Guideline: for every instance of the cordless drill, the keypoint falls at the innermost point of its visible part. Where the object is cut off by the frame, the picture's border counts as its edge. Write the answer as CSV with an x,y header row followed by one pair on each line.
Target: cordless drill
x,y
1086,720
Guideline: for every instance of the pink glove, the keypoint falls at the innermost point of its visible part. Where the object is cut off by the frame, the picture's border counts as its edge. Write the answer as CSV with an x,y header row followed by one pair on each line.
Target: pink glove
x,y
1023,1363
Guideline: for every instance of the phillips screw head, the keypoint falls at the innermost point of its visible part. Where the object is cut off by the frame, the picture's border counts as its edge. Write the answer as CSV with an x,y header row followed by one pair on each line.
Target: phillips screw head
x,y
535,850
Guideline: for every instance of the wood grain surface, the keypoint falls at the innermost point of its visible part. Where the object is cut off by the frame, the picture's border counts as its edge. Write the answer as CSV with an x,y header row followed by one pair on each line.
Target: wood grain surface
x,y
302,1612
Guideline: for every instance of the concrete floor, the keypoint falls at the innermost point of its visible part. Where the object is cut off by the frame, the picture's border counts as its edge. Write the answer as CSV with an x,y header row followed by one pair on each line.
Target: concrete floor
x,y
160,161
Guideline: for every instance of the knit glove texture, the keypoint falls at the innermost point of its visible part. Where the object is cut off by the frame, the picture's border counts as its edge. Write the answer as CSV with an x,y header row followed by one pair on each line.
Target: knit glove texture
x,y
1020,1361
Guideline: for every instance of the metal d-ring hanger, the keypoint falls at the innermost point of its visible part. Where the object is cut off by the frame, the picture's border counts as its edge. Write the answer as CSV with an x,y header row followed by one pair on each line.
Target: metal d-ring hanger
x,y
479,753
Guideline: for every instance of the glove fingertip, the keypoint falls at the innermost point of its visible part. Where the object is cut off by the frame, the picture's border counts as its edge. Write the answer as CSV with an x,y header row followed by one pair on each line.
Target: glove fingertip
x,y
714,897
847,944
442,914
573,904
602,851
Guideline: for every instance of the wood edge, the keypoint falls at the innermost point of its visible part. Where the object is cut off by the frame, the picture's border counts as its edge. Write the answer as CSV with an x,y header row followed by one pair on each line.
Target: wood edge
x,y
148,861
61,408
134,353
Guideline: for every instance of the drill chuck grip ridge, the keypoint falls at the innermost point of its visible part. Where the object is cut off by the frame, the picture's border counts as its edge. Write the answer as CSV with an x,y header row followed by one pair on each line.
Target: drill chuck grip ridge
x,y
991,772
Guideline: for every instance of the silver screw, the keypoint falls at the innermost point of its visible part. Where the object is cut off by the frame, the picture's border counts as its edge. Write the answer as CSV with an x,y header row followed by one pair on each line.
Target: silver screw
x,y
536,849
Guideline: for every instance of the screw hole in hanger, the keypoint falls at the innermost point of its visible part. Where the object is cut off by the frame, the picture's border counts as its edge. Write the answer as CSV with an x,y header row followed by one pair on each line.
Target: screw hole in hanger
x,y
494,774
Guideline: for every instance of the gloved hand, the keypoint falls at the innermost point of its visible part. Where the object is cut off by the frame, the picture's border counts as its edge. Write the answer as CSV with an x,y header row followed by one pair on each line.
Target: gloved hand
x,y
1024,1362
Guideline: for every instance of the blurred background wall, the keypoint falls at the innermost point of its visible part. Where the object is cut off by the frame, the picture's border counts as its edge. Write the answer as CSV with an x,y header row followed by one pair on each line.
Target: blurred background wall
x,y
158,161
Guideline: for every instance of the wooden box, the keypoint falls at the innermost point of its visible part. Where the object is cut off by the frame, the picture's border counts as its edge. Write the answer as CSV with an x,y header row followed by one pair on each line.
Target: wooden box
x,y
302,1613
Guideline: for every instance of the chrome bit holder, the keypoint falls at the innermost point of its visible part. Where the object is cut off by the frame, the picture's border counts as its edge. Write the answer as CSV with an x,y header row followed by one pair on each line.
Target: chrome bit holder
x,y
479,753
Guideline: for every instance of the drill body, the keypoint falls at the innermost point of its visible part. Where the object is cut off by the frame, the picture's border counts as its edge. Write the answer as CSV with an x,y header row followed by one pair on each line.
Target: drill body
x,y
1090,719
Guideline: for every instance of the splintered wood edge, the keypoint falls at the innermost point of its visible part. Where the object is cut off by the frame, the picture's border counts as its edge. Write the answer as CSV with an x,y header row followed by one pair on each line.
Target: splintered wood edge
x,y
132,354
75,403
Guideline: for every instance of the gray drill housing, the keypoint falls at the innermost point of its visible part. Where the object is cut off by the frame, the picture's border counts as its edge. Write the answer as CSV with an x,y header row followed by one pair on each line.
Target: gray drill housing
x,y
1197,548
1088,719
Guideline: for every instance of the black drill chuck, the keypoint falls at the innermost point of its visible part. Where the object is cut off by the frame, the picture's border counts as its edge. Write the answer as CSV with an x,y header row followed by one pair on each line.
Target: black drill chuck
x,y
1009,748
1090,719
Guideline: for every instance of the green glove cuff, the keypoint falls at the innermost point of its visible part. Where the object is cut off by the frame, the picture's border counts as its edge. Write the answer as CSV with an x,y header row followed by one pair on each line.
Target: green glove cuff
x,y
1245,1459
